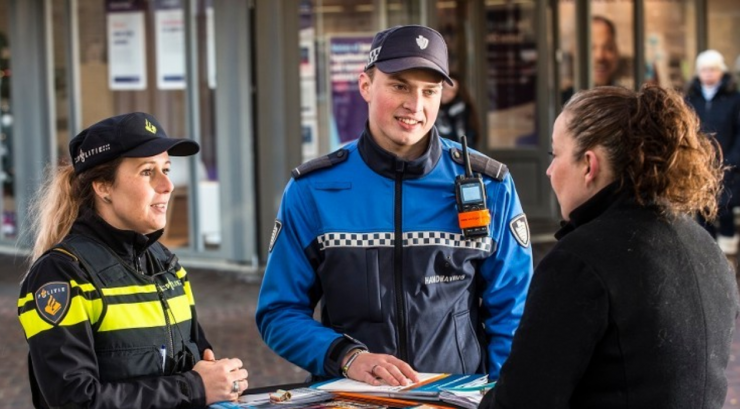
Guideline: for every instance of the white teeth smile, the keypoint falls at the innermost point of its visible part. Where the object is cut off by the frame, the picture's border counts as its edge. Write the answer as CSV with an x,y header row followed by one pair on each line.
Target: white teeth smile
x,y
160,206
408,121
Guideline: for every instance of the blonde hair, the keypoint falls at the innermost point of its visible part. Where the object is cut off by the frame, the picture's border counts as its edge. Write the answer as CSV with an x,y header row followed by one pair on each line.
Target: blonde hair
x,y
57,203
654,145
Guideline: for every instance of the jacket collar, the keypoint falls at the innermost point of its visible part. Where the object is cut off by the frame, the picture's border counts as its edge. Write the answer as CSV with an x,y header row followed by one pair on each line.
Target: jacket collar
x,y
726,86
388,164
590,209
127,244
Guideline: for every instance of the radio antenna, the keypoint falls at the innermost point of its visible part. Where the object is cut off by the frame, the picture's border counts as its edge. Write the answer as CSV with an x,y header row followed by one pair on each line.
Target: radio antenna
x,y
466,157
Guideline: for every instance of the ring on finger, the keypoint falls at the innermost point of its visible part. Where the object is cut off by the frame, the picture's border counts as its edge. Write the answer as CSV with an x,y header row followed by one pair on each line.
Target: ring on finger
x,y
372,371
235,387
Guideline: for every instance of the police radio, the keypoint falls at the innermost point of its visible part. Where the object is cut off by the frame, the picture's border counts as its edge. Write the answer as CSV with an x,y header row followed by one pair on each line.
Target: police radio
x,y
470,193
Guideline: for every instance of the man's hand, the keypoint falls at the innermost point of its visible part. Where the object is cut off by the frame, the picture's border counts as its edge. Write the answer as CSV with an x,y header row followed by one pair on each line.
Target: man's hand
x,y
378,369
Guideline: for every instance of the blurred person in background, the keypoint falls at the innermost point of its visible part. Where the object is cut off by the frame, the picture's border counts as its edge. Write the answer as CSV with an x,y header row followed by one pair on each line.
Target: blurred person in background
x,y
713,95
457,115
604,55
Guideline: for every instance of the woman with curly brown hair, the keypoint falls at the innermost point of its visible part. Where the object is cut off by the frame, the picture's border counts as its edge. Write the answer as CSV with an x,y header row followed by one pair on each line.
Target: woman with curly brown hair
x,y
635,306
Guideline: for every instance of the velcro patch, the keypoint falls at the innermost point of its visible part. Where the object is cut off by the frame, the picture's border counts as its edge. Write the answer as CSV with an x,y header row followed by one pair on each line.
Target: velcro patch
x,y
520,229
52,301
275,233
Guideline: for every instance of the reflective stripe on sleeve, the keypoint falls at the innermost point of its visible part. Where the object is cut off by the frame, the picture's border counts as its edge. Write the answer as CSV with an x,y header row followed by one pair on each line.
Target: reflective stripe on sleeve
x,y
80,309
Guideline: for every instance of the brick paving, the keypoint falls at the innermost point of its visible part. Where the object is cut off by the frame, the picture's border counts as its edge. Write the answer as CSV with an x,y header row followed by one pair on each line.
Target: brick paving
x,y
226,305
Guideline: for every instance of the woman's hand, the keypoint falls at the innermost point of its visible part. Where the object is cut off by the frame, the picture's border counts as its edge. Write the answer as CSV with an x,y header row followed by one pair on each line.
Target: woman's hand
x,y
224,380
376,369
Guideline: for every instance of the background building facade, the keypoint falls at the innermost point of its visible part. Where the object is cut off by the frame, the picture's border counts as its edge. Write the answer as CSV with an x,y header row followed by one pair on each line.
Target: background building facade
x,y
264,85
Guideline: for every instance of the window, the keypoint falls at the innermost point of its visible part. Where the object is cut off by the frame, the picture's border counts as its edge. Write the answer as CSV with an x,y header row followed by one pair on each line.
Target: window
x,y
9,226
335,37
132,58
511,74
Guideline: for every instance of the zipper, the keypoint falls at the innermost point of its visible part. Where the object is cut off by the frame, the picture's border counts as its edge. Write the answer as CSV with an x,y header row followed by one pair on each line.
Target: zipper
x,y
166,309
137,264
398,263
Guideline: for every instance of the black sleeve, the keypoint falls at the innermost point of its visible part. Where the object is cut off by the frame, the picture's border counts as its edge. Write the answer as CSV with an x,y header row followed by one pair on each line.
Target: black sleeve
x,y
565,316
62,355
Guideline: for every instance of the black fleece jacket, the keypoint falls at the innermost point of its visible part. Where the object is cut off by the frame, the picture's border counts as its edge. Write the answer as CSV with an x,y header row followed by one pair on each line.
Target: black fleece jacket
x,y
629,310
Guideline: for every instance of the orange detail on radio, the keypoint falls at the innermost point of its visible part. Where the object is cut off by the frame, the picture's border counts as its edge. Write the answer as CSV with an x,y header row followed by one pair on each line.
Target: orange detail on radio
x,y
476,218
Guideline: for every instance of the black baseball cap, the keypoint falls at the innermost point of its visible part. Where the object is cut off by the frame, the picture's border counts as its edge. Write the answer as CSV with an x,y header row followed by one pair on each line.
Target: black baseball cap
x,y
134,135
402,48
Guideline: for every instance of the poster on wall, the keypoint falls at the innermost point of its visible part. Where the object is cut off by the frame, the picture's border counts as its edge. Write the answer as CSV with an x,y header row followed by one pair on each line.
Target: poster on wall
x,y
169,26
347,58
308,94
126,46
309,117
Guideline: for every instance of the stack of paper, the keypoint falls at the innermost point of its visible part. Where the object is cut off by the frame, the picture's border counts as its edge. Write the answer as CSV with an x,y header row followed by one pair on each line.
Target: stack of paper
x,y
467,396
468,400
429,387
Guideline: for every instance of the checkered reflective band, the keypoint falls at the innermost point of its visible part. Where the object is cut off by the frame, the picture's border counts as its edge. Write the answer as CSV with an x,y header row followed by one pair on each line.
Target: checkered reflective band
x,y
421,238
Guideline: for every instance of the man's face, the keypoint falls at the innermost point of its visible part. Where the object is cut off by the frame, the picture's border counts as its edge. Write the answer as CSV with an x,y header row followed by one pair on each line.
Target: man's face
x,y
402,108
605,54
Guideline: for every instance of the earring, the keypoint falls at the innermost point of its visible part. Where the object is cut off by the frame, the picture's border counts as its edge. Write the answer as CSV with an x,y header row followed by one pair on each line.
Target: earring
x,y
106,199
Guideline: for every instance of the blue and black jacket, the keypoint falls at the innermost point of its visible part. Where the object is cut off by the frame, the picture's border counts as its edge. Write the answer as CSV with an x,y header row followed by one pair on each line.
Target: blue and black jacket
x,y
377,238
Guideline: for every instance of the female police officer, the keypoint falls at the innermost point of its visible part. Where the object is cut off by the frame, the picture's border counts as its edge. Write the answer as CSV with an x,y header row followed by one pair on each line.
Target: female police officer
x,y
107,311
635,305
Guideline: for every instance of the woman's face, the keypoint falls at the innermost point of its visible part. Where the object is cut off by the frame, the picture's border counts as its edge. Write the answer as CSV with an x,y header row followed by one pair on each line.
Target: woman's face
x,y
567,175
138,198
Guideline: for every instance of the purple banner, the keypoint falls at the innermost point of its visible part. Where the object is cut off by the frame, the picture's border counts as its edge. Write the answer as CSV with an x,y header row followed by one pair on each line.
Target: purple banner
x,y
347,57
305,14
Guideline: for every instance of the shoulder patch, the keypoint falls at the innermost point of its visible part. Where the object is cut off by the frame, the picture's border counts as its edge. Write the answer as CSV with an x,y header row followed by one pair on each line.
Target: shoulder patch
x,y
52,301
275,233
322,162
520,230
482,164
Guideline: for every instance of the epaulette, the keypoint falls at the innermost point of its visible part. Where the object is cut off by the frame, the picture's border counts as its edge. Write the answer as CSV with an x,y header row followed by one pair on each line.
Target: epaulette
x,y
65,251
482,164
322,162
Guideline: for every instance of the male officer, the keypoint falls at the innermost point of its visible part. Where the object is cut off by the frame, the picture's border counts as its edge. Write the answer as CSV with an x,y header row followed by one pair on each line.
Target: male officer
x,y
373,229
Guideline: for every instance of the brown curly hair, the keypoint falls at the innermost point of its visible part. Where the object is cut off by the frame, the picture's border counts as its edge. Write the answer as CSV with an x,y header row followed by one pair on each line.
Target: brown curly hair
x,y
654,146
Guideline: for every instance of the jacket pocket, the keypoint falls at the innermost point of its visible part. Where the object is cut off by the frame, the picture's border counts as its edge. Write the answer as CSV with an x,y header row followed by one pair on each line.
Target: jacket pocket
x,y
128,363
350,279
467,342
